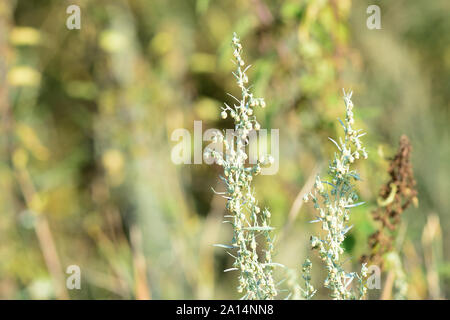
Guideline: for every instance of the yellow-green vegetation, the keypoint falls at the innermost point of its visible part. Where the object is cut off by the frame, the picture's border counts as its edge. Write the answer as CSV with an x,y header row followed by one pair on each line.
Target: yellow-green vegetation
x,y
86,123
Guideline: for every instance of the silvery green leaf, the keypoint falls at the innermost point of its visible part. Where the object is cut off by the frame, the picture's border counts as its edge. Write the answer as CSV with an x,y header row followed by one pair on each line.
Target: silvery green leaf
x,y
362,134
347,229
354,205
329,183
259,228
355,176
335,143
224,246
343,126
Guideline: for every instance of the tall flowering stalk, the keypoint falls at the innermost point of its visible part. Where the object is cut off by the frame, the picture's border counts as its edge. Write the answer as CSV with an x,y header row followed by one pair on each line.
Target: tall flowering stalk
x,y
249,221
333,201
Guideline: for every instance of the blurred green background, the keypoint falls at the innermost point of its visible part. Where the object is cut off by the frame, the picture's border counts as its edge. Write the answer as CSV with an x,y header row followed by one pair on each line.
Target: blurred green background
x,y
87,115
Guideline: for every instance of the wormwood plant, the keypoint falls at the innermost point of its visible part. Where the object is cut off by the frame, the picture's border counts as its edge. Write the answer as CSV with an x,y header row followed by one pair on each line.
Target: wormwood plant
x,y
333,201
249,221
